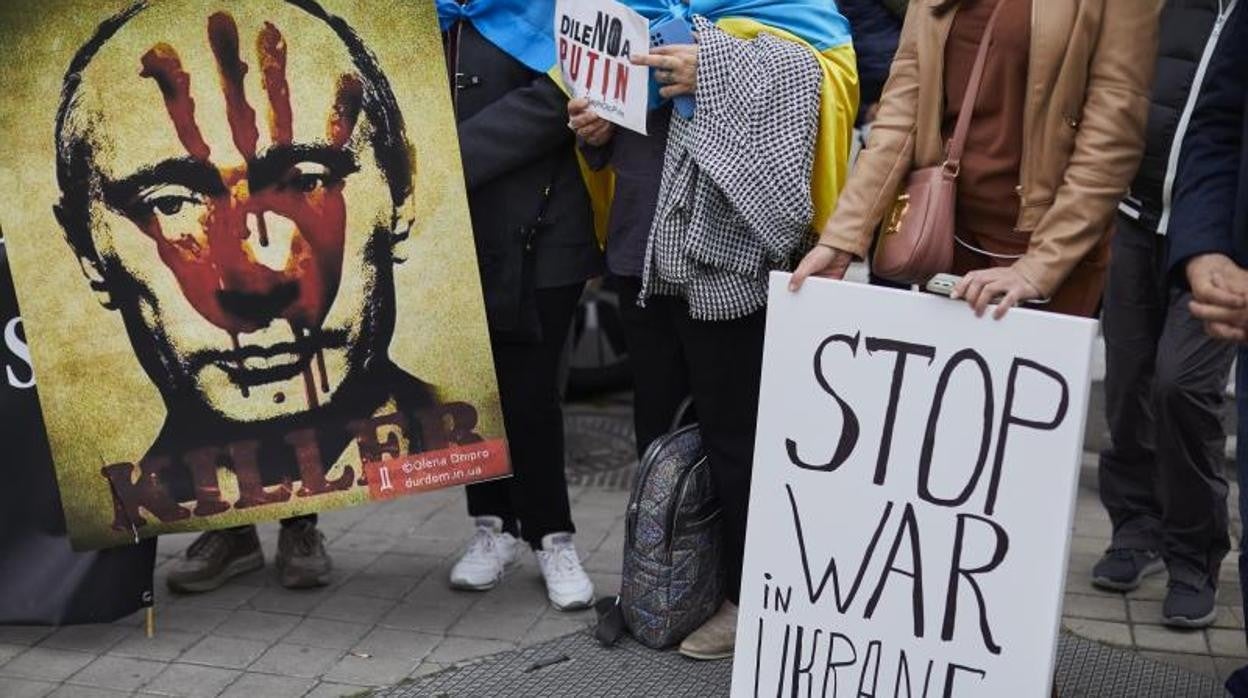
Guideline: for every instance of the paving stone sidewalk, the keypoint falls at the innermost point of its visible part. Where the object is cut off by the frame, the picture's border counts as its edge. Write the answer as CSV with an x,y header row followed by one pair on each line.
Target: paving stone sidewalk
x,y
389,615
1133,621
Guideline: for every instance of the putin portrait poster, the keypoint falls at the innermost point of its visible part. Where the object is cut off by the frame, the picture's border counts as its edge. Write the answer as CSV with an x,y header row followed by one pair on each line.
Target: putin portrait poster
x,y
241,245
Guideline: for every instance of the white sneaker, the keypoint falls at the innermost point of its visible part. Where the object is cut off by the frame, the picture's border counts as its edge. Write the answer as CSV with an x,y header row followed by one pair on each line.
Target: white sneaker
x,y
490,553
567,585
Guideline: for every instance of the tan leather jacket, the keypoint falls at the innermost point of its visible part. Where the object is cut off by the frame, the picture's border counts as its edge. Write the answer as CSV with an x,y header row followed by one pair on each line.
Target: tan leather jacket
x,y
1087,106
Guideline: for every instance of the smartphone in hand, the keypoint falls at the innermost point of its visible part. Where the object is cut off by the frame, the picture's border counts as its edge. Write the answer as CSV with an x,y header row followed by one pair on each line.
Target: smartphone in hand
x,y
675,30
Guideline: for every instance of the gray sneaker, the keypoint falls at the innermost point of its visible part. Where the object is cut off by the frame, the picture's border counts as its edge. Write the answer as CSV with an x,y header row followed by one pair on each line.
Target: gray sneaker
x,y
1189,607
1123,569
302,561
214,558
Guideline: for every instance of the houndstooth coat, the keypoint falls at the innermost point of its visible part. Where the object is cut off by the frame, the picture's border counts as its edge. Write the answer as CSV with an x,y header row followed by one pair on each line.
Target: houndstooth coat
x,y
735,199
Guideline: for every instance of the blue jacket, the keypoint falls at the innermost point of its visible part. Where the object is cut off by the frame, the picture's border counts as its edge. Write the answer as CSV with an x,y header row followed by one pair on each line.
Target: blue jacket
x,y
1211,199
876,32
1191,31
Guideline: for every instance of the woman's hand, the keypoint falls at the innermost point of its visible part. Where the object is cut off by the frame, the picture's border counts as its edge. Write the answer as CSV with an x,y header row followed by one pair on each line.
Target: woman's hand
x,y
983,286
823,261
676,68
588,126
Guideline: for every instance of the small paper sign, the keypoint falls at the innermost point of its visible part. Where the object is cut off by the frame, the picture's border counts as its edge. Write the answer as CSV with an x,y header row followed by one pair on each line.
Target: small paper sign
x,y
595,39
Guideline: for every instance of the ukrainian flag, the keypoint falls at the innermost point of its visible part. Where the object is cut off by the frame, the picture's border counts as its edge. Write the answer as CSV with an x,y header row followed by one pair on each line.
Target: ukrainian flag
x,y
523,29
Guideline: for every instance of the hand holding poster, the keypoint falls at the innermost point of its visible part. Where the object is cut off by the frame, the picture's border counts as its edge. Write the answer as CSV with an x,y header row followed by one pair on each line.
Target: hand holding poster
x,y
595,39
913,489
258,295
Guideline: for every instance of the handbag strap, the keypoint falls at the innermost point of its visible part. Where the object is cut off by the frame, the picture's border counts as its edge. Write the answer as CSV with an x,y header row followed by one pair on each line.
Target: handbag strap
x,y
957,144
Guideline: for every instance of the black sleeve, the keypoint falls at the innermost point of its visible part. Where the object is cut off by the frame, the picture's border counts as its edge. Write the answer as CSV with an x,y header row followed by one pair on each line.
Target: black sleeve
x,y
520,128
596,156
897,7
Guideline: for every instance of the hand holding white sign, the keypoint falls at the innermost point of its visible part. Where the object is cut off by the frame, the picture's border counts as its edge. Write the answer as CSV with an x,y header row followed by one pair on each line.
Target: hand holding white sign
x,y
588,126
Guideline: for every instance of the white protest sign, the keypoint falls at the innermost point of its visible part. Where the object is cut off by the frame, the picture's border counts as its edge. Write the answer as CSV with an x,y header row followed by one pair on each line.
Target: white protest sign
x,y
914,483
595,39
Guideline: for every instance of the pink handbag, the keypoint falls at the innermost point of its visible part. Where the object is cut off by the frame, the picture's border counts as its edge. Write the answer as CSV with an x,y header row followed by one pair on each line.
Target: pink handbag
x,y
916,239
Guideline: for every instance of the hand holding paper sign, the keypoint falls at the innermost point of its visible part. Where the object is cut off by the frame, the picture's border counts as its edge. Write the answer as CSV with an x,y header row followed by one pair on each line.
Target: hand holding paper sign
x,y
588,126
595,40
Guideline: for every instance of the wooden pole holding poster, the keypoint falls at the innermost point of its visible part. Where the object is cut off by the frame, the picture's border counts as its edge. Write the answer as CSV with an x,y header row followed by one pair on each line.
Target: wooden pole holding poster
x,y
914,484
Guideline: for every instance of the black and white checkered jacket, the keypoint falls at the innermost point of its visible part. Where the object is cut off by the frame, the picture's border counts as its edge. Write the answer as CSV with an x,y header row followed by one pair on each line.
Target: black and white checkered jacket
x,y
735,199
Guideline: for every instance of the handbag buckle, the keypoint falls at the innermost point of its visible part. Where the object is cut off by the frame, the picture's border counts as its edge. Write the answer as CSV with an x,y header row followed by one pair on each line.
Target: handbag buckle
x,y
951,169
897,214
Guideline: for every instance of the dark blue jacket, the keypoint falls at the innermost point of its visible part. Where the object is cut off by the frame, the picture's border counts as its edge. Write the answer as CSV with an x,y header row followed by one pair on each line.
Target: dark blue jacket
x,y
1191,31
876,31
1211,200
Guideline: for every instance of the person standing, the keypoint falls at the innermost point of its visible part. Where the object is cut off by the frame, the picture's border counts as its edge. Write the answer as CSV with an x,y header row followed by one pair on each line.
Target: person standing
x,y
1211,201
707,224
876,28
660,383
1056,135
536,246
1161,477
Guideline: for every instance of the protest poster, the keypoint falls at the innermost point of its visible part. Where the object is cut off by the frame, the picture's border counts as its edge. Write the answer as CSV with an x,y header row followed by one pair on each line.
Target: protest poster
x,y
595,39
44,581
913,490
244,259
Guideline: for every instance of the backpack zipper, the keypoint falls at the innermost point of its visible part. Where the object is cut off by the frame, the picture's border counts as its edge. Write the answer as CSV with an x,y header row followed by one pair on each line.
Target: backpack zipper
x,y
644,467
681,484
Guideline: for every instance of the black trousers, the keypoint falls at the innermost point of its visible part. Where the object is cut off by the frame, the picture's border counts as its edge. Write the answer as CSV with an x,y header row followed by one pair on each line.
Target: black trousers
x,y
1161,480
534,501
657,360
720,364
